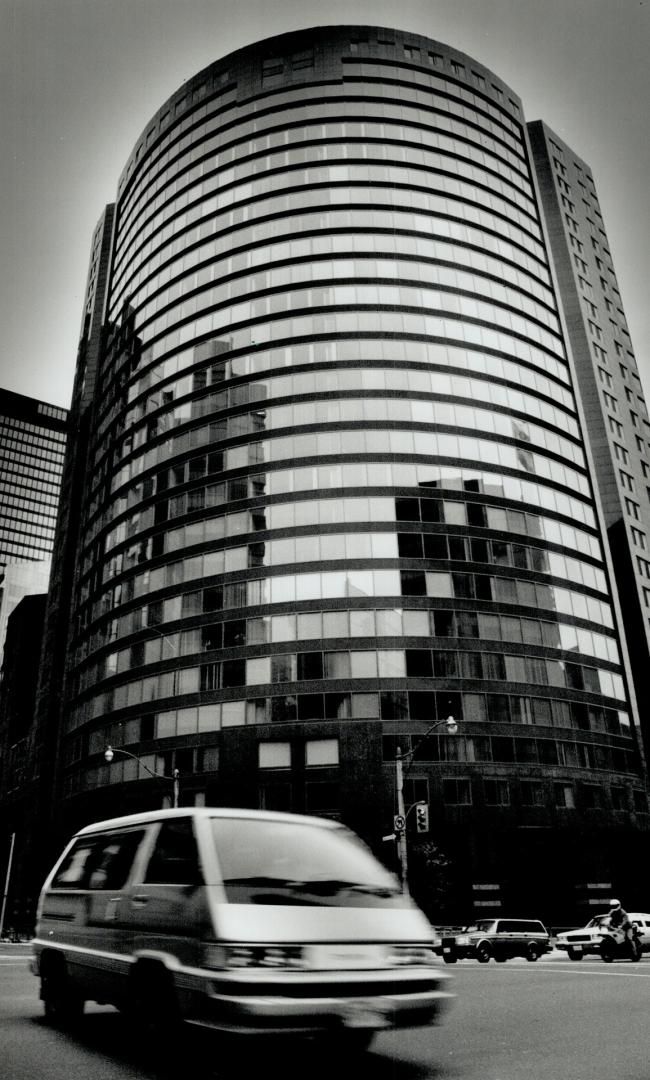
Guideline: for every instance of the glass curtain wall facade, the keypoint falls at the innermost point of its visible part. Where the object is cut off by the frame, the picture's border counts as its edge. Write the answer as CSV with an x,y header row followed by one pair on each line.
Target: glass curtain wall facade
x,y
32,446
337,488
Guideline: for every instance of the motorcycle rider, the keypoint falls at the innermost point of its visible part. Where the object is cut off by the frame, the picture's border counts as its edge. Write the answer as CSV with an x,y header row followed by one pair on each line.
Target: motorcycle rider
x,y
620,920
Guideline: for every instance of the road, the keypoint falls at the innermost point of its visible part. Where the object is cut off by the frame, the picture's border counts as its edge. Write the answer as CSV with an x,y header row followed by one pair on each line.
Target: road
x,y
553,1020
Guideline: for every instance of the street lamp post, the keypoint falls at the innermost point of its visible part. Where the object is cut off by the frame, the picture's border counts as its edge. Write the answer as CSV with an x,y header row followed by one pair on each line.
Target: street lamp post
x,y
110,752
452,727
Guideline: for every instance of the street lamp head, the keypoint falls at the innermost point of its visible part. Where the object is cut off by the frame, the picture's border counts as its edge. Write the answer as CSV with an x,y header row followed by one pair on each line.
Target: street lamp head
x,y
452,726
108,754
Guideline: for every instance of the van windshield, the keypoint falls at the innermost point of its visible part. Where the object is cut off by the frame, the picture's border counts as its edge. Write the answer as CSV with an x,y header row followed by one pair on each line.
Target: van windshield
x,y
282,862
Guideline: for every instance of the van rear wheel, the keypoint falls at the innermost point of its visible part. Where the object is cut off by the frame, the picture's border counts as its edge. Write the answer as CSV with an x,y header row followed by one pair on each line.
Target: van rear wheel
x,y
61,1004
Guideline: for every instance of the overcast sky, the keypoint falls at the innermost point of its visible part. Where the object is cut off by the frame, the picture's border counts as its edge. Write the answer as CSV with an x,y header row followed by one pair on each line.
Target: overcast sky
x,y
80,79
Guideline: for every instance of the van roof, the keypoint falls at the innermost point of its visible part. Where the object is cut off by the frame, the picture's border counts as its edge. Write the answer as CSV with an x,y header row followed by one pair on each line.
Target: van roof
x,y
204,812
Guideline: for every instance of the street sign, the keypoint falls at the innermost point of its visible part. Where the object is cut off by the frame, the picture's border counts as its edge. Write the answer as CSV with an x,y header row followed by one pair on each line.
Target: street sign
x,y
399,823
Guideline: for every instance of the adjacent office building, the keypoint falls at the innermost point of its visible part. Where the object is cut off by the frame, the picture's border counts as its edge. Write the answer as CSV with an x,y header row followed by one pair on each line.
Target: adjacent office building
x,y
610,387
32,445
337,486
20,825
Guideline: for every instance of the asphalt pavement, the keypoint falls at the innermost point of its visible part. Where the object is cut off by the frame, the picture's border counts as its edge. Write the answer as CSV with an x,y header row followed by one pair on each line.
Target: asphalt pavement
x,y
550,1020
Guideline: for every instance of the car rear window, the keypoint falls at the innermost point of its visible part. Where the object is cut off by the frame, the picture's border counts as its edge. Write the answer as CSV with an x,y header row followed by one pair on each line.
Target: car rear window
x,y
282,862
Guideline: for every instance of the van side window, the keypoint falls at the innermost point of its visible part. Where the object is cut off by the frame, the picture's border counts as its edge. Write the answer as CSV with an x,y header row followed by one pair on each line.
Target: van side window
x,y
99,862
175,858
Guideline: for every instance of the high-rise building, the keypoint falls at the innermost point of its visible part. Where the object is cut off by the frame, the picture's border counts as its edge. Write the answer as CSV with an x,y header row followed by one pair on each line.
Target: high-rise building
x,y
610,386
336,487
20,579
32,445
21,828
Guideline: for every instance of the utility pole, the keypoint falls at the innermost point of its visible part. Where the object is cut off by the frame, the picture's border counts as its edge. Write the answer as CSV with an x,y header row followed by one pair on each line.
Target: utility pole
x,y
6,889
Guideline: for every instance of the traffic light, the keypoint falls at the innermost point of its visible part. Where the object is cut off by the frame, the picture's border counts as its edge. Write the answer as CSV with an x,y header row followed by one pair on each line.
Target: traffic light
x,y
422,818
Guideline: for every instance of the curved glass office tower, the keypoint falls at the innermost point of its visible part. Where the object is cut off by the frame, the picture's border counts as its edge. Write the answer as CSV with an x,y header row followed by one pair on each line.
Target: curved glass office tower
x,y
336,487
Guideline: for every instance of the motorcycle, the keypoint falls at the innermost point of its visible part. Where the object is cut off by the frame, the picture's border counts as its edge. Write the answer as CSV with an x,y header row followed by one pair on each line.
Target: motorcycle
x,y
616,945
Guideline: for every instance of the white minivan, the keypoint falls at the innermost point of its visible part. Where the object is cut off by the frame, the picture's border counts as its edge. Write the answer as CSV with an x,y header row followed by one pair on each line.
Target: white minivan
x,y
240,920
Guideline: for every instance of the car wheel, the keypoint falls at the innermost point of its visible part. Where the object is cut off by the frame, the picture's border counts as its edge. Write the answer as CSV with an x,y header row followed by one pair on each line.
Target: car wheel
x,y
351,1041
575,955
152,1009
337,1045
532,953
483,953
61,1004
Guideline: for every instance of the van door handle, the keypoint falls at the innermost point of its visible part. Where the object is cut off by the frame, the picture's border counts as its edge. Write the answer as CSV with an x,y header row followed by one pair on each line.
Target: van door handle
x,y
139,900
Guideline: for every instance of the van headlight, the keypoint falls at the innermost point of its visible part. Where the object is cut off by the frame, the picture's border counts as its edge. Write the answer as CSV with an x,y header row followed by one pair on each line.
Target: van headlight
x,y
253,956
400,955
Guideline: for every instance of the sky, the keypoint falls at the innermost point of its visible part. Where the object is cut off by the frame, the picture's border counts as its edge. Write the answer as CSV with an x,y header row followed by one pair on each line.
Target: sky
x,y
80,79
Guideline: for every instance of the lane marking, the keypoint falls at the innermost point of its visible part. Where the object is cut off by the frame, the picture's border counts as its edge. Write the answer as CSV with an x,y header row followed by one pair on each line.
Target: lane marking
x,y
607,973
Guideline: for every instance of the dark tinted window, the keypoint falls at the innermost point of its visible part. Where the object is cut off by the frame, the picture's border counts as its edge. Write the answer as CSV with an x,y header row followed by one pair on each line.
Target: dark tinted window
x,y
99,862
520,926
175,858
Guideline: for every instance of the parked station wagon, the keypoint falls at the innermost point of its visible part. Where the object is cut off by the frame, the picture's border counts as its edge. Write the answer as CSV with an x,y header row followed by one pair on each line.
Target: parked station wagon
x,y
244,921
498,938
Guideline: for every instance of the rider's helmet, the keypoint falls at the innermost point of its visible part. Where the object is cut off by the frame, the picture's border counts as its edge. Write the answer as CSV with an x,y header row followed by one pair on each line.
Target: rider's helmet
x,y
614,903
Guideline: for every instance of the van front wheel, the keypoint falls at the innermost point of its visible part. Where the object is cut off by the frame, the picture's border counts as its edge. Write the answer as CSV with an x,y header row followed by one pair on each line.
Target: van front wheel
x,y
345,1041
152,1007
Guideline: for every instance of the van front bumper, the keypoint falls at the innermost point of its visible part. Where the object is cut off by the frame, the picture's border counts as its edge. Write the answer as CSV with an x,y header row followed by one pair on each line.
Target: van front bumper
x,y
342,999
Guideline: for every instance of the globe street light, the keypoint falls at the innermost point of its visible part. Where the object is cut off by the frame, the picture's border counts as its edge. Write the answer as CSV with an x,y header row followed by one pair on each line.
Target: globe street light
x,y
109,754
452,727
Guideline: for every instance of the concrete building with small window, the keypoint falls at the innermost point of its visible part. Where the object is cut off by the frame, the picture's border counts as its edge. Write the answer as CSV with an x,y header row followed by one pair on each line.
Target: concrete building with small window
x,y
336,486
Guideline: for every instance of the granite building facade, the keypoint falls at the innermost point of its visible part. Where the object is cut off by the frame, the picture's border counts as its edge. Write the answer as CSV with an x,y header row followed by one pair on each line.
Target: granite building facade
x,y
336,483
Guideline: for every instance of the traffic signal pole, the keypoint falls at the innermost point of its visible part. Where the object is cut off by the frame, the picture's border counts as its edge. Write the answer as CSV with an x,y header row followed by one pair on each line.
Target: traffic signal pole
x,y
402,813
401,833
